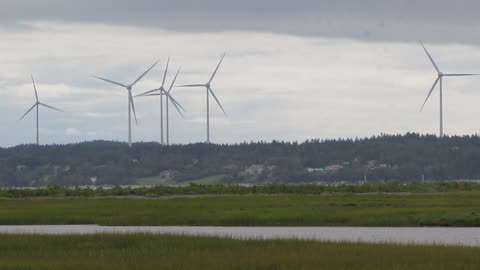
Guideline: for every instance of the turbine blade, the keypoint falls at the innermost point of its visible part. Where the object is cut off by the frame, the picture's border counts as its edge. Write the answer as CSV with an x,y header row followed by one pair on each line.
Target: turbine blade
x,y
145,73
110,81
174,102
216,99
28,111
191,85
459,74
215,72
50,107
35,88
173,82
429,56
146,93
151,95
166,70
133,107
429,93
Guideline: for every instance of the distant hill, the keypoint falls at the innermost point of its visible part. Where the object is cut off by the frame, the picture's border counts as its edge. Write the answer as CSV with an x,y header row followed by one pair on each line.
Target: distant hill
x,y
409,157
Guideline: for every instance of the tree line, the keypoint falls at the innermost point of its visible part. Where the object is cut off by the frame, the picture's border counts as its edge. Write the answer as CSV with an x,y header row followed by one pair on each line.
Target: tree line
x,y
220,189
409,157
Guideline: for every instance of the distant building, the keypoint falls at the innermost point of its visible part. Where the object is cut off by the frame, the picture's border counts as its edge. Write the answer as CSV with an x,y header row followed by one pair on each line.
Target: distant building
x,y
168,174
21,168
329,169
258,169
371,164
57,169
254,169
315,170
333,168
231,168
93,180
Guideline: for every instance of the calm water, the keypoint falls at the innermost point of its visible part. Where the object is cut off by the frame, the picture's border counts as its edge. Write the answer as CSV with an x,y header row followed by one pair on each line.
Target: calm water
x,y
446,236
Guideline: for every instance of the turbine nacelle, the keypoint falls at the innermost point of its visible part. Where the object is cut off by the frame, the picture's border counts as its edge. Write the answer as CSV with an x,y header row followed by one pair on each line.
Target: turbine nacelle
x,y
131,105
439,80
209,92
36,106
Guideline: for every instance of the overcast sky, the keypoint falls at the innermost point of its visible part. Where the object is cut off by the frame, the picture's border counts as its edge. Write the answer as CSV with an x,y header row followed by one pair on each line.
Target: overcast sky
x,y
293,69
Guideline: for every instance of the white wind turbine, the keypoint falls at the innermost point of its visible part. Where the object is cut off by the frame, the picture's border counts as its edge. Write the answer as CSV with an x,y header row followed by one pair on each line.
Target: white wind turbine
x,y
131,105
163,92
439,80
209,91
36,106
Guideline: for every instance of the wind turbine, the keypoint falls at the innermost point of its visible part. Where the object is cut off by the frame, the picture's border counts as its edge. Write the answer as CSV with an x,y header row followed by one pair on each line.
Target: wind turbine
x,y
162,92
131,104
36,106
439,81
209,91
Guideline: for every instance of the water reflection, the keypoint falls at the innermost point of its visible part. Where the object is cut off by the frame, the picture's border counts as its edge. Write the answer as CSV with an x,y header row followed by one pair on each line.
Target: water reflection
x,y
445,236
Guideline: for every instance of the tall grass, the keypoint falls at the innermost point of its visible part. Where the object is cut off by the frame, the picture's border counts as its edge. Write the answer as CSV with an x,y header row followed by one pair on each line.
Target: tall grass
x,y
202,187
184,252
453,209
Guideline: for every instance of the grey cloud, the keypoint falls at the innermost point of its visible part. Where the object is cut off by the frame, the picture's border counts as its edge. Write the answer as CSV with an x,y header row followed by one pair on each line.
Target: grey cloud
x,y
396,20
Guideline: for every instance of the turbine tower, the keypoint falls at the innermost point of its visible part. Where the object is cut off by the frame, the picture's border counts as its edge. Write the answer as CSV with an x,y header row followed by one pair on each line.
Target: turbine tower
x,y
131,105
439,81
209,91
36,106
162,92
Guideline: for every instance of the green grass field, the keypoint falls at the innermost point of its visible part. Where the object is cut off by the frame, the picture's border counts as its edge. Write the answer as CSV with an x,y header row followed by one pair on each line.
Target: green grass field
x,y
154,181
19,252
158,181
210,180
453,209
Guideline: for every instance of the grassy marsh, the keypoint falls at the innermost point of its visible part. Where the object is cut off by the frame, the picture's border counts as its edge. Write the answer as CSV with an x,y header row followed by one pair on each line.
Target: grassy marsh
x,y
139,251
450,209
